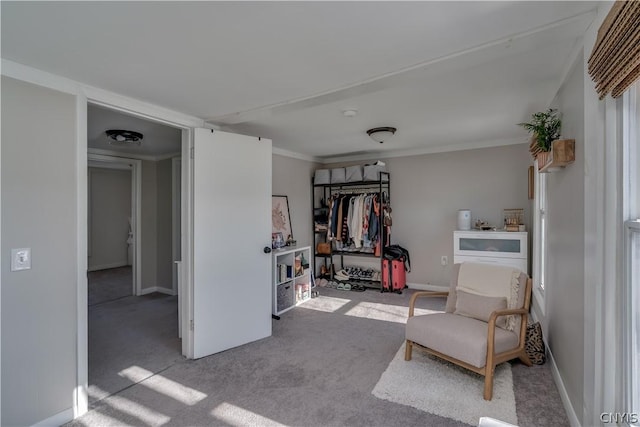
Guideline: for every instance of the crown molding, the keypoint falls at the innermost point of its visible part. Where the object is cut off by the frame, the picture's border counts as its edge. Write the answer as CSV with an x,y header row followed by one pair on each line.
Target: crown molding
x,y
38,77
100,96
295,155
424,150
135,156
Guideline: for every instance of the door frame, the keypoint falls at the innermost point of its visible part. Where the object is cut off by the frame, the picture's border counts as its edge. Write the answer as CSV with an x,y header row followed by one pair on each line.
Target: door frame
x,y
185,281
135,166
185,293
176,197
176,239
84,95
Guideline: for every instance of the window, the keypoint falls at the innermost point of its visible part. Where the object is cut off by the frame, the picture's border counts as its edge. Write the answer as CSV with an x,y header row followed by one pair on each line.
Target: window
x,y
542,208
633,282
631,210
539,237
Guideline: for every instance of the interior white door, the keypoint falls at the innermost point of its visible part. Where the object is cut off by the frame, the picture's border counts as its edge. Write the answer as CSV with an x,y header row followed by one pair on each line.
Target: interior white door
x,y
231,227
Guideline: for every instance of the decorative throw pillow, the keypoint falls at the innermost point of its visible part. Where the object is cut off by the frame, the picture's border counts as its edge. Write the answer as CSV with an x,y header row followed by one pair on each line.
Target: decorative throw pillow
x,y
534,345
480,307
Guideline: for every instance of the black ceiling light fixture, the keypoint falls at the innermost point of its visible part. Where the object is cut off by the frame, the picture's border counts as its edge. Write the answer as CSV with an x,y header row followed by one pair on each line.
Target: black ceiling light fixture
x,y
124,137
381,134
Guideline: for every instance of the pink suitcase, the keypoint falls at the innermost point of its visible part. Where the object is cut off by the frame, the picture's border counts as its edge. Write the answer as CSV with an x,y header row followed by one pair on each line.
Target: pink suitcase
x,y
397,276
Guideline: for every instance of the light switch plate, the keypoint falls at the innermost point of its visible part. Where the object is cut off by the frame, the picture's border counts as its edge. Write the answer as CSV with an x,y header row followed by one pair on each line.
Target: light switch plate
x,y
20,259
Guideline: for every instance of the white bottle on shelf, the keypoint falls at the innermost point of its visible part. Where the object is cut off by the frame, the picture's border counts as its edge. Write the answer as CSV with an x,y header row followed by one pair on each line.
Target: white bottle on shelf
x,y
464,219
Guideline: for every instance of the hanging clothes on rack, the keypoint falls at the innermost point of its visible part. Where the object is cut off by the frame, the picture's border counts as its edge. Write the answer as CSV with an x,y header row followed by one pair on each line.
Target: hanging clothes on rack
x,y
339,225
354,220
346,201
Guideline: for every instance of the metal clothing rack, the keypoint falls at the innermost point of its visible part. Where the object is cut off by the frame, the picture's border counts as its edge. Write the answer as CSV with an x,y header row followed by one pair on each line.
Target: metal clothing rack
x,y
380,187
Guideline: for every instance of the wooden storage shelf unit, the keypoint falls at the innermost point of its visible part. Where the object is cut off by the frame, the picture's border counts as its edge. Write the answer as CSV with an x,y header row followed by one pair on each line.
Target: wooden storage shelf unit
x,y
563,152
291,278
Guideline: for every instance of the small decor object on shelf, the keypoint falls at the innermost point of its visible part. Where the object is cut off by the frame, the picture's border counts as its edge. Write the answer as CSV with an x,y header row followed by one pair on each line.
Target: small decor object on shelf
x,y
298,266
323,248
277,241
464,219
513,219
483,225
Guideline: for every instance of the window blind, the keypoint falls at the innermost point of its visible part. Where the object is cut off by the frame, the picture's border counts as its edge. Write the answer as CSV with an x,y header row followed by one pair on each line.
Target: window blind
x,y
614,64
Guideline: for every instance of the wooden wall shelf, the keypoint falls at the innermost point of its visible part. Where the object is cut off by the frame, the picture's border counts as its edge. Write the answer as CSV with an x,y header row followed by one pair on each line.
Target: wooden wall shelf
x,y
563,152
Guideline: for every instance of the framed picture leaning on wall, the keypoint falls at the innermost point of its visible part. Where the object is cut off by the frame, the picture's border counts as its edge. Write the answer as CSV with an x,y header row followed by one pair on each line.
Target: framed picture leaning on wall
x,y
277,241
280,218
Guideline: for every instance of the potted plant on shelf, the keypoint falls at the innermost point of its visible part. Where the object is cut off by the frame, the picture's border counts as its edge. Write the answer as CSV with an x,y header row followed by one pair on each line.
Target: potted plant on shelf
x,y
545,128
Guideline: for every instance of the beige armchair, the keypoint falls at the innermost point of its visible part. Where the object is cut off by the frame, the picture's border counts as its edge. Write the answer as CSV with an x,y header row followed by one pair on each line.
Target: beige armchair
x,y
484,323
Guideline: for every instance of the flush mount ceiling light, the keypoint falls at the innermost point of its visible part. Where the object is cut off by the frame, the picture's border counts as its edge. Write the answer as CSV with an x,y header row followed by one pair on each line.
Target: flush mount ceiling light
x,y
124,137
381,134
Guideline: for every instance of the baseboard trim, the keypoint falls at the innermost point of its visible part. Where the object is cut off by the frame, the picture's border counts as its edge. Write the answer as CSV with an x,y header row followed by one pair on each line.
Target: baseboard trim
x,y
427,287
167,291
568,407
57,420
108,266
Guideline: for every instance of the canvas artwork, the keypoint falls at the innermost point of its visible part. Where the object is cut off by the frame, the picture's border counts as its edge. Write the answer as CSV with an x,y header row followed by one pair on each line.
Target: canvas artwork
x,y
280,218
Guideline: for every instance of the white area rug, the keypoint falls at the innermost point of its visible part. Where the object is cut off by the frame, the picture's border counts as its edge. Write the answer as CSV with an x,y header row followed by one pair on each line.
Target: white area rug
x,y
438,387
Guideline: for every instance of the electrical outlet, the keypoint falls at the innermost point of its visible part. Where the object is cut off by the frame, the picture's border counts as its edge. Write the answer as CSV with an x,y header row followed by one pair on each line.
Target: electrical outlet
x,y
20,259
444,260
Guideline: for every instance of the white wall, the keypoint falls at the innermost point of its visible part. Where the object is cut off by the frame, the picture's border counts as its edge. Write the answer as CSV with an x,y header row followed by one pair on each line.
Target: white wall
x,y
156,214
109,212
38,211
428,190
292,178
564,310
149,226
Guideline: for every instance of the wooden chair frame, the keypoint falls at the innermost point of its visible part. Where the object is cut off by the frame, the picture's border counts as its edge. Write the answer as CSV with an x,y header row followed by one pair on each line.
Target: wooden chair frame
x,y
493,358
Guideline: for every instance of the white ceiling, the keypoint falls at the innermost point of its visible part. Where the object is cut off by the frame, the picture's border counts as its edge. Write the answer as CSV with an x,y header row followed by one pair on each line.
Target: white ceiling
x,y
158,140
448,75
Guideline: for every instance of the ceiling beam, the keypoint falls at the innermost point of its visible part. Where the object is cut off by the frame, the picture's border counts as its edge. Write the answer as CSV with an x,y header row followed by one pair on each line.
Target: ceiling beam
x,y
386,80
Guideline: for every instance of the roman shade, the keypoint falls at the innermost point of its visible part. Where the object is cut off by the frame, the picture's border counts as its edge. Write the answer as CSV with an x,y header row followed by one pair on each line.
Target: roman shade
x,y
614,64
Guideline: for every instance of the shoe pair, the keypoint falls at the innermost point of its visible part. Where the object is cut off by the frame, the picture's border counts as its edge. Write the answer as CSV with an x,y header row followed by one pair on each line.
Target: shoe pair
x,y
341,275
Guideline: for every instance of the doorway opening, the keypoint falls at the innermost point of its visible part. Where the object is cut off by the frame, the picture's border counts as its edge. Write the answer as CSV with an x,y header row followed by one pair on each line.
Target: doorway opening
x,y
133,232
111,212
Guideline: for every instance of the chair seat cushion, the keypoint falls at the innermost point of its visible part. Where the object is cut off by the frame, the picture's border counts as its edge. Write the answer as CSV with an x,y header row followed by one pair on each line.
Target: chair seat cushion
x,y
460,337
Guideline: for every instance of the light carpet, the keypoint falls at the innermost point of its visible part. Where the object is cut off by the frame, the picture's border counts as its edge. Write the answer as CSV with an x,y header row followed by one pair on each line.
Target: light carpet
x,y
442,388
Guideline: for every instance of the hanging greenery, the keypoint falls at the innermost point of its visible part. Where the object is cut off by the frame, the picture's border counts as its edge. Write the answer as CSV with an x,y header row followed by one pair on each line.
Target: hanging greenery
x,y
545,127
